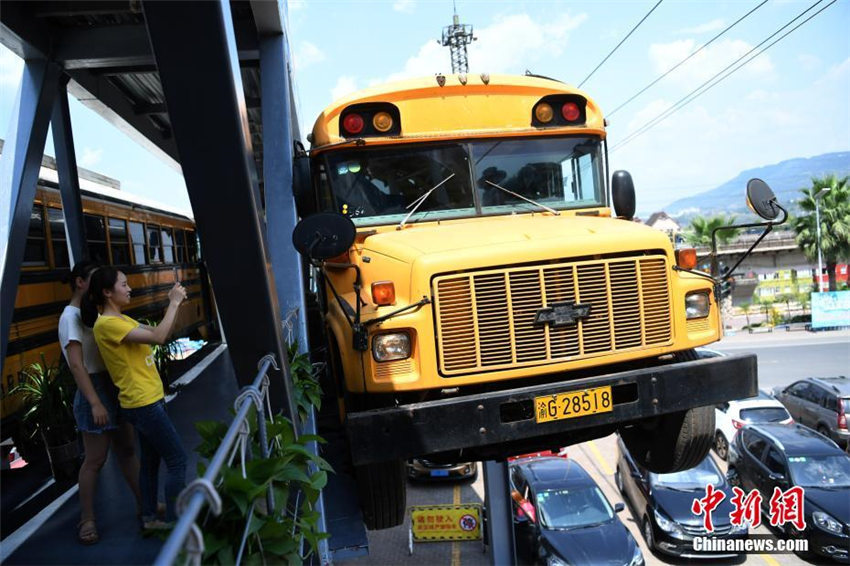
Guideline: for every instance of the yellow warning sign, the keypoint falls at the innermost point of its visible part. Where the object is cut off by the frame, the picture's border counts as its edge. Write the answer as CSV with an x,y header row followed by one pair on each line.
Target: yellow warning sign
x,y
433,523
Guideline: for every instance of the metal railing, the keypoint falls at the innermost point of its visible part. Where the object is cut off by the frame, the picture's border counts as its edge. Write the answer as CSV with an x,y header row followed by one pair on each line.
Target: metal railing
x,y
187,535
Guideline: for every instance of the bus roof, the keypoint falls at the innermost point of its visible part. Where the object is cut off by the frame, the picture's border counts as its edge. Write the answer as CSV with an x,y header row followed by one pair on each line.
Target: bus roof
x,y
430,111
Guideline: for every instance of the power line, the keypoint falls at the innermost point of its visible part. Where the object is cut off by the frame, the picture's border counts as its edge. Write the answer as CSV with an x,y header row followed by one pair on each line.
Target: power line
x,y
683,61
702,89
619,44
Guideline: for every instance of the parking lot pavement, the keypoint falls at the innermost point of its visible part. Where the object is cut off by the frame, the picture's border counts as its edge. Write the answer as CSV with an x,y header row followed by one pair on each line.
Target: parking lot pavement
x,y
599,458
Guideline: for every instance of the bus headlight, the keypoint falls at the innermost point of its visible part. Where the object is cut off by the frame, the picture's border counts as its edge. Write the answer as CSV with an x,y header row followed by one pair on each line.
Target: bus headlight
x,y
389,347
697,305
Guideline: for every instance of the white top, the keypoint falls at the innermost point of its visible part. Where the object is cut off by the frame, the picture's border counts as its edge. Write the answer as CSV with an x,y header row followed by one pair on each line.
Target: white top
x,y
71,327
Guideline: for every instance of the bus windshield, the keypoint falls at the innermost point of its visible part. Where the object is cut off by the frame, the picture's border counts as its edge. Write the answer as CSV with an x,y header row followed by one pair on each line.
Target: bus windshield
x,y
383,185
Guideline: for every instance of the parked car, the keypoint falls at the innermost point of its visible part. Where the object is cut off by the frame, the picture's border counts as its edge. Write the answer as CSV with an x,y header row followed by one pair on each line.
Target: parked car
x,y
729,417
769,455
821,403
562,517
661,504
422,469
561,453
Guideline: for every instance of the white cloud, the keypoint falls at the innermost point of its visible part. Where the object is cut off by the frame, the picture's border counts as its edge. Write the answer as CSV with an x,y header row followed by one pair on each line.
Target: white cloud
x,y
307,54
808,62
296,5
90,157
406,6
509,45
713,25
344,85
11,68
707,62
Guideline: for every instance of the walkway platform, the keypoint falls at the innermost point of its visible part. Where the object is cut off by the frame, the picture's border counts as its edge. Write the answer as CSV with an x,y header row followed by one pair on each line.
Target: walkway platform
x,y
51,536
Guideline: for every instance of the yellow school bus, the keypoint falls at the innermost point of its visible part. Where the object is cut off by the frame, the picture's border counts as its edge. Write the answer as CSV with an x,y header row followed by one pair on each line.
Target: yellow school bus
x,y
151,244
498,297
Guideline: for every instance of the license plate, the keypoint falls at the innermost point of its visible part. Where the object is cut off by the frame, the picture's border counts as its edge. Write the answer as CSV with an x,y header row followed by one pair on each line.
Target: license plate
x,y
573,404
439,473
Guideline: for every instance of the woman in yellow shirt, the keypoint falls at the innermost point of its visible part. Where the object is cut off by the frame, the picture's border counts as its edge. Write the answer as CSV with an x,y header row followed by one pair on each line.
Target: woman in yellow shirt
x,y
124,345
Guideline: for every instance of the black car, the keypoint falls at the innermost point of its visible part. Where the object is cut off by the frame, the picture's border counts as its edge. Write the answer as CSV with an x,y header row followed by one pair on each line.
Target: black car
x,y
767,456
661,504
561,517
427,470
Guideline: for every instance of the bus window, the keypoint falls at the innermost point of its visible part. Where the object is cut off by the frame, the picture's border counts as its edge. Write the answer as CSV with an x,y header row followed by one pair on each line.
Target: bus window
x,y
167,245
137,235
191,247
180,245
96,238
560,173
154,250
36,246
58,238
118,242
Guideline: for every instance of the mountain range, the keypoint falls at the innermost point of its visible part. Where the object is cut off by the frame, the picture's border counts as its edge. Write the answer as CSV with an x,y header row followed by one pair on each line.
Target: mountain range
x,y
786,178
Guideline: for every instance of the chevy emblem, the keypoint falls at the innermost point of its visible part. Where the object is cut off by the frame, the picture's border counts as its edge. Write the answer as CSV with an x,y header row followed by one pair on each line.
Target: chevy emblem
x,y
562,314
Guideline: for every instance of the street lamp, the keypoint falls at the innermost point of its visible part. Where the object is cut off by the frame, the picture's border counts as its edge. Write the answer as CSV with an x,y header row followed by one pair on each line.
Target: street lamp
x,y
818,196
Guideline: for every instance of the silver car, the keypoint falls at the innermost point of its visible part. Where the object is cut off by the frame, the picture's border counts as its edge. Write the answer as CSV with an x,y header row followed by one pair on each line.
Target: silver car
x,y
821,403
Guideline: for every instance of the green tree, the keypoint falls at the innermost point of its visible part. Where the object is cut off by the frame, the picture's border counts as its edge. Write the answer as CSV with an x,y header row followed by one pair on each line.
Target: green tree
x,y
699,232
746,308
787,298
834,223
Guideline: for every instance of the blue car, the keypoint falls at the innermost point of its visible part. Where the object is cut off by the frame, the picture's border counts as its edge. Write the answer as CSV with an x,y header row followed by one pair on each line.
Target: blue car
x,y
562,517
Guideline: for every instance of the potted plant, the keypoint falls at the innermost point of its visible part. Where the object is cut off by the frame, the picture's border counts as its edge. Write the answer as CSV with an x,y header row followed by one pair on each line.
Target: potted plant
x,y
47,397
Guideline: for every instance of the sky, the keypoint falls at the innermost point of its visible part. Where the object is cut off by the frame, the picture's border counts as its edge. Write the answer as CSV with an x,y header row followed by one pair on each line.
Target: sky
x,y
791,101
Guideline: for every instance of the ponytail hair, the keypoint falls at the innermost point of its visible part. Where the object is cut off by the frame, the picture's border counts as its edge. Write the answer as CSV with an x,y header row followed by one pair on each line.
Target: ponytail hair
x,y
102,279
82,269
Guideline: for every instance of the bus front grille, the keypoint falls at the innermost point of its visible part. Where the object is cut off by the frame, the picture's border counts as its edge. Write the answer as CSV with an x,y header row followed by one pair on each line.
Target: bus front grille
x,y
486,319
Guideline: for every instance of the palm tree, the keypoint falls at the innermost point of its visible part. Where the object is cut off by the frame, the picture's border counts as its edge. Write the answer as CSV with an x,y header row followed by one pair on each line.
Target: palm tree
x,y
699,232
834,223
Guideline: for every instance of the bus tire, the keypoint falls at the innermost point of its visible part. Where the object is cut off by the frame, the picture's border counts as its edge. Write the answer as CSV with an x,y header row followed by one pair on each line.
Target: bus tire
x,y
382,491
679,441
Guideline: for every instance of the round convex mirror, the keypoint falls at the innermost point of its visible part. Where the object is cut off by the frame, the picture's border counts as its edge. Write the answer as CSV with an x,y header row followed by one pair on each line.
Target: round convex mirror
x,y
761,200
323,235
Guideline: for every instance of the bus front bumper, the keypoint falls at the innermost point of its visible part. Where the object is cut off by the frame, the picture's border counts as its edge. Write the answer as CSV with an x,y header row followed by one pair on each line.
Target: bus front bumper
x,y
494,425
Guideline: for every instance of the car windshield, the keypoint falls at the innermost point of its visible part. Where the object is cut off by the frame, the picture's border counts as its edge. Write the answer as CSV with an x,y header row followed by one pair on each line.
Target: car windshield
x,y
765,415
573,508
698,477
831,471
383,185
559,173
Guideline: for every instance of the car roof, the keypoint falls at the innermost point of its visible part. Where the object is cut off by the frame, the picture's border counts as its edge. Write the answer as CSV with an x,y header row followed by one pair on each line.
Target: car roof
x,y
549,472
760,400
839,385
797,439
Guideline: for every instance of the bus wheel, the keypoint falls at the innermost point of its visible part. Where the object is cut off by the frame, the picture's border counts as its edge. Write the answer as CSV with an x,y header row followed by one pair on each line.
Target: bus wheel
x,y
678,441
382,491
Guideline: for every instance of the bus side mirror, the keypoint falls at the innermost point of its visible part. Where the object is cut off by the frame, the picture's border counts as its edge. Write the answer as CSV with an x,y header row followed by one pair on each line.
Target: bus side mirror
x,y
623,194
302,186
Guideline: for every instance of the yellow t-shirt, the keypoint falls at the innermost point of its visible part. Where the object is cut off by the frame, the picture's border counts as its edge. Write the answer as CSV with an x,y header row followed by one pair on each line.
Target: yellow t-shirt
x,y
131,365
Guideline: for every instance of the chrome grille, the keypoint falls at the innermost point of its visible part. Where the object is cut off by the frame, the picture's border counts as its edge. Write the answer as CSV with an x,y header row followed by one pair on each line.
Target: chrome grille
x,y
485,319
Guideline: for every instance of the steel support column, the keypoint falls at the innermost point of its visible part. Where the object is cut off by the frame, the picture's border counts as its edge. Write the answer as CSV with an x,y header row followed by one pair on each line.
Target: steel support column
x,y
500,522
19,168
66,167
203,90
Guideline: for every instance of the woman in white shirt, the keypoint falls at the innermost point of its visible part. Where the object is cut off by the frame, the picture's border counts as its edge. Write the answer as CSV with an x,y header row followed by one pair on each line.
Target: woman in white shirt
x,y
95,406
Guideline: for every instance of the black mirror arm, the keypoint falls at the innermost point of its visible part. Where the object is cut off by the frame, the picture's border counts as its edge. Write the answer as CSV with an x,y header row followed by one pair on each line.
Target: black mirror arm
x,y
769,227
360,336
422,302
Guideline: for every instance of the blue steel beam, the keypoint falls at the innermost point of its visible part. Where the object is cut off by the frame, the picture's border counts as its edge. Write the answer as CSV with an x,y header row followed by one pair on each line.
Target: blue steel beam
x,y
19,167
66,167
202,85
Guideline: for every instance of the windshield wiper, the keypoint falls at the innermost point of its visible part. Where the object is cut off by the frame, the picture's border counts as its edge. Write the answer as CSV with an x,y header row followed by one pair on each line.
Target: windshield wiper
x,y
418,202
510,192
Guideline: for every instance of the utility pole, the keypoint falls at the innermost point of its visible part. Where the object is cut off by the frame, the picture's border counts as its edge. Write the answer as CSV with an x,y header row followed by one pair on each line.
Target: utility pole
x,y
456,37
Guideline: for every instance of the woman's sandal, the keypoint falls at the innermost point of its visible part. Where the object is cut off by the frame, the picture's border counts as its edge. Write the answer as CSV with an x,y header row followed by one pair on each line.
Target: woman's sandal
x,y
87,531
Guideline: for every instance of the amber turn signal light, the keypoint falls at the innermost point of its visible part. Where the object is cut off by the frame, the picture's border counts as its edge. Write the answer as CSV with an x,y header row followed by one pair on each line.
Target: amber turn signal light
x,y
544,113
382,121
686,258
383,293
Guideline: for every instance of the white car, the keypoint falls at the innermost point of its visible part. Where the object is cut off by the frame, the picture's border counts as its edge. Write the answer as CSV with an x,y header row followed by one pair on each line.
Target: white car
x,y
729,417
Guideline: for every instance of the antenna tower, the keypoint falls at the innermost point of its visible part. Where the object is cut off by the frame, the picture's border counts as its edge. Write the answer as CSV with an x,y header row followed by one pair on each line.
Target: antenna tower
x,y
456,37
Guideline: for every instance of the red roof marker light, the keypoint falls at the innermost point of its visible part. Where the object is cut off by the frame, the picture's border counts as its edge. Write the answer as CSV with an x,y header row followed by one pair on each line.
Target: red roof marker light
x,y
570,111
353,123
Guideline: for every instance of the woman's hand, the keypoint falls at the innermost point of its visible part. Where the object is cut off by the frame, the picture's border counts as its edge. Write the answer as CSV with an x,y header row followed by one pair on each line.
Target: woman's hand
x,y
177,294
101,417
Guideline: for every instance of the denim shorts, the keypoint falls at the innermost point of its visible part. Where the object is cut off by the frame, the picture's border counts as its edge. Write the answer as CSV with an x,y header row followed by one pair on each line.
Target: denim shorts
x,y
108,394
